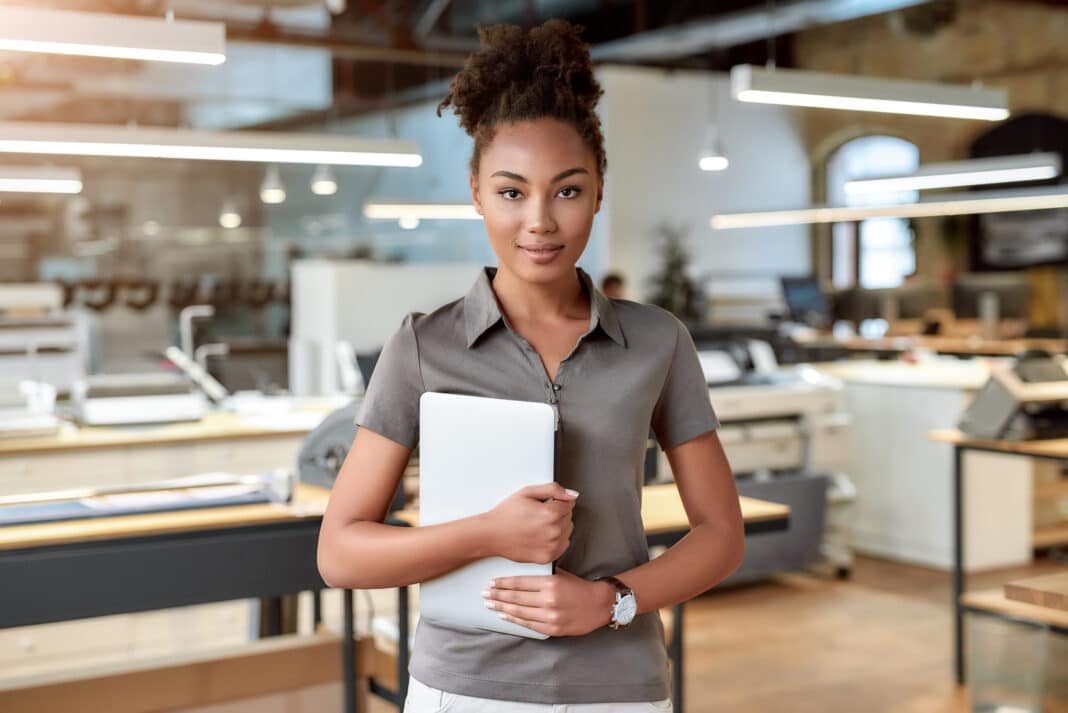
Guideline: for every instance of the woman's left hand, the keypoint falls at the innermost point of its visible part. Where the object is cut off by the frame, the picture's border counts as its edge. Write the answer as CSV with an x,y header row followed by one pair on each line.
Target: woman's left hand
x,y
556,605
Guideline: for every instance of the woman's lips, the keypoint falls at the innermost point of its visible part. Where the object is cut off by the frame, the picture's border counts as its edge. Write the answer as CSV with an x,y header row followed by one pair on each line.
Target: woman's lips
x,y
541,255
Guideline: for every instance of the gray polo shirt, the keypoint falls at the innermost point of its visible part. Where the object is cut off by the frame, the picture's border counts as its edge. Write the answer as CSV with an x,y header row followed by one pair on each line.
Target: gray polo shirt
x,y
634,368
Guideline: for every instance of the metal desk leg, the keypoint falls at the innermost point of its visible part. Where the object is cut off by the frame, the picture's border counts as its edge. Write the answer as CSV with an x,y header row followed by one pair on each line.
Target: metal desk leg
x,y
958,563
402,646
675,655
348,653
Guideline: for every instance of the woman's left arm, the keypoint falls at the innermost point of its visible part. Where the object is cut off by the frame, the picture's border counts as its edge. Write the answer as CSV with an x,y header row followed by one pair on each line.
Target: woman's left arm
x,y
715,545
566,605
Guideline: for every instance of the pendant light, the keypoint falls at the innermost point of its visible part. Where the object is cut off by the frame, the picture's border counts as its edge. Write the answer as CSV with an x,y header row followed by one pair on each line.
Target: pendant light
x,y
229,218
272,191
713,158
323,182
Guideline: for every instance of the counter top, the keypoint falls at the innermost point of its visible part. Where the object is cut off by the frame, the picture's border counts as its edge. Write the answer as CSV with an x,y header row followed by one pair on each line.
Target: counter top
x,y
1050,448
217,425
966,375
971,345
1049,591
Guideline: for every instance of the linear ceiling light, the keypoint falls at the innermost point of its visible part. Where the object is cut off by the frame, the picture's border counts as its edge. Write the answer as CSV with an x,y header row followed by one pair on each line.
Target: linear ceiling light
x,y
40,179
795,87
957,204
253,146
422,211
974,172
95,34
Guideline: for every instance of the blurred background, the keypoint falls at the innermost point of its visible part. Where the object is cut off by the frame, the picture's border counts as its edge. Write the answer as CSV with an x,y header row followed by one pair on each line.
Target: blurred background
x,y
213,214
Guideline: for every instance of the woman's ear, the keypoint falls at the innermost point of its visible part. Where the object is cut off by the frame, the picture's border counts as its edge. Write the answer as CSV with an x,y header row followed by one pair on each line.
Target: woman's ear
x,y
474,194
600,194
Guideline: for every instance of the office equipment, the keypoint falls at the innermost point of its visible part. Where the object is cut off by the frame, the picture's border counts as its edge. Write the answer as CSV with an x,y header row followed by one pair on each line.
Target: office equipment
x,y
474,452
1011,290
40,341
114,399
806,301
790,424
26,409
1024,401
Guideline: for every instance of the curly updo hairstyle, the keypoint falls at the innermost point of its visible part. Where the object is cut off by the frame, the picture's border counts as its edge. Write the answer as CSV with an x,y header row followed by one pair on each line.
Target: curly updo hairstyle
x,y
522,75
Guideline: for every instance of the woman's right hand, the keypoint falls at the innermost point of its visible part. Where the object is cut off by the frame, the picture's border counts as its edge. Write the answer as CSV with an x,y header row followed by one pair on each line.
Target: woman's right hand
x,y
526,528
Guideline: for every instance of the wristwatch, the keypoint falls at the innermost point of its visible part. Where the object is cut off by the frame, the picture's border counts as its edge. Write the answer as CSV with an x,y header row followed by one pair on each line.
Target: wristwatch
x,y
625,607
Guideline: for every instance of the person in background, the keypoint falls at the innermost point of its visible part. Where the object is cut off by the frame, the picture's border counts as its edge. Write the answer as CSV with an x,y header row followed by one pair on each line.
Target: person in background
x,y
536,328
613,287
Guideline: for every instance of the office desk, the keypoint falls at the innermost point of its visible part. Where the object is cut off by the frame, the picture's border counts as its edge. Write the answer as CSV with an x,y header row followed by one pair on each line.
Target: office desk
x,y
962,346
71,570
665,524
1055,449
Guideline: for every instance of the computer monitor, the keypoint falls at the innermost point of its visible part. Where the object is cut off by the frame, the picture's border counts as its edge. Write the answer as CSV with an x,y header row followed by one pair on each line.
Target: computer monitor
x,y
806,301
1012,290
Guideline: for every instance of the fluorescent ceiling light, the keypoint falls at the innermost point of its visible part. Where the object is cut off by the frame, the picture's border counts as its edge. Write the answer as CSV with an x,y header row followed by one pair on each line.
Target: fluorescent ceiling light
x,y
253,146
422,211
40,179
975,172
95,34
957,204
795,87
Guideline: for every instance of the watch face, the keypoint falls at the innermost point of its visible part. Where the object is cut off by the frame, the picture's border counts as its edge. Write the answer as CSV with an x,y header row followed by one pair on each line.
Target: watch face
x,y
626,609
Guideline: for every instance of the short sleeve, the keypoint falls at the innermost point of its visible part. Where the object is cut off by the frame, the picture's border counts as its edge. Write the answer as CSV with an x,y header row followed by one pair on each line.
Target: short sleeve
x,y
391,404
683,411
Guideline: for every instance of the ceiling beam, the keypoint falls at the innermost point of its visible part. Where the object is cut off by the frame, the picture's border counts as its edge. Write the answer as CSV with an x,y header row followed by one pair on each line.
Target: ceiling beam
x,y
738,28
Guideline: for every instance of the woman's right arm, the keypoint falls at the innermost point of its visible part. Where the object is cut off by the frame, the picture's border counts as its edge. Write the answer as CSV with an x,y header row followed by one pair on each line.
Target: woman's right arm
x,y
358,551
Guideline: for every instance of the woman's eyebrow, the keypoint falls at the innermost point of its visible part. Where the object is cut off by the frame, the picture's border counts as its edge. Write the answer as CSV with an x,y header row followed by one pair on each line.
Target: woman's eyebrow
x,y
558,177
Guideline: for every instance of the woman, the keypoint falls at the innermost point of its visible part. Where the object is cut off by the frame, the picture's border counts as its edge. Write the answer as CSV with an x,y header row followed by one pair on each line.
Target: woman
x,y
535,328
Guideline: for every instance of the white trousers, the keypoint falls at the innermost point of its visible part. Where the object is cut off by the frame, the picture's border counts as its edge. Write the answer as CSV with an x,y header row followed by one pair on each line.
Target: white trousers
x,y
424,699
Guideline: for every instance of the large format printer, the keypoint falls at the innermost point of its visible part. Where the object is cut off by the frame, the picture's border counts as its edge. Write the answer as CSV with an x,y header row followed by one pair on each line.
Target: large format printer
x,y
786,435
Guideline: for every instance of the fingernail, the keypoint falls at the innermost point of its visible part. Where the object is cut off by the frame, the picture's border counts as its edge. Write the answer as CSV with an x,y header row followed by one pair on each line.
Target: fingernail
x,y
572,493
485,593
490,604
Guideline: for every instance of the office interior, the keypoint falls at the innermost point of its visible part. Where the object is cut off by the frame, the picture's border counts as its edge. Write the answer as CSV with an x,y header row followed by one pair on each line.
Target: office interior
x,y
859,210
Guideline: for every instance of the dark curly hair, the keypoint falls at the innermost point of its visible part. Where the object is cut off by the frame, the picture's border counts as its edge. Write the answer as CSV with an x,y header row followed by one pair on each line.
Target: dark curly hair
x,y
521,75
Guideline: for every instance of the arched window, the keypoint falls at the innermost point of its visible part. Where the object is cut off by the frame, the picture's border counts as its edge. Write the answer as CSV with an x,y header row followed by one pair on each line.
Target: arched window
x,y
877,252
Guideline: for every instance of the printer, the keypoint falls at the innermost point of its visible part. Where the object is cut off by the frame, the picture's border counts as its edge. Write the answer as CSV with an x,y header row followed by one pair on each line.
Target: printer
x,y
786,433
1023,400
129,399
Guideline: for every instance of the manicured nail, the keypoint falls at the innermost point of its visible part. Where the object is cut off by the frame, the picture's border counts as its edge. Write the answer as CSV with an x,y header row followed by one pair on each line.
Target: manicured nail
x,y
490,604
485,594
572,493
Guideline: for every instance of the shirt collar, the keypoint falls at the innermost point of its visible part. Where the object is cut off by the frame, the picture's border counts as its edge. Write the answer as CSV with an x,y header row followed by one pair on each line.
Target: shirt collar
x,y
481,310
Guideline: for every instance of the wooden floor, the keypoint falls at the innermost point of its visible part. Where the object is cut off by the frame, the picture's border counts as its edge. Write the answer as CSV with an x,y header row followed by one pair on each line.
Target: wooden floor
x,y
879,641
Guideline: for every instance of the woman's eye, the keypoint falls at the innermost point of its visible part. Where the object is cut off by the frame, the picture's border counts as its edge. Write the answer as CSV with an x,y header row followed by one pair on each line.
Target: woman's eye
x,y
569,192
510,193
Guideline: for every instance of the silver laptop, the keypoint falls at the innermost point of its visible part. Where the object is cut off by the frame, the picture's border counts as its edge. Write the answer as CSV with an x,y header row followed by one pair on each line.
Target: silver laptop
x,y
473,453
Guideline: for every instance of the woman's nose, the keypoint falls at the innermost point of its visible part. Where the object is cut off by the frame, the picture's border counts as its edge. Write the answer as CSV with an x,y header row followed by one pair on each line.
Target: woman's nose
x,y
540,219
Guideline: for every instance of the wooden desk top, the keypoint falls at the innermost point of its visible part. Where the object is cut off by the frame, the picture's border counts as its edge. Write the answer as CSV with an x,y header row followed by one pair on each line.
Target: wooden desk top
x,y
309,502
1051,448
662,510
956,345
215,426
1049,591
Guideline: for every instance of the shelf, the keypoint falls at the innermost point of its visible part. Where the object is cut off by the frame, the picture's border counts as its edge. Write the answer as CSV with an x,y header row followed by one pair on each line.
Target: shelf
x,y
1050,536
994,600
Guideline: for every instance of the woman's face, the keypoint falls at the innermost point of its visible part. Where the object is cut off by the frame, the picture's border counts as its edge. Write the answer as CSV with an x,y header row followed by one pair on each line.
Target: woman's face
x,y
538,189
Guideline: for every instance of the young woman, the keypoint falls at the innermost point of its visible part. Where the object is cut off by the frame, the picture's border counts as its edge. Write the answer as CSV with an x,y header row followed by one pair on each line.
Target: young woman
x,y
535,328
